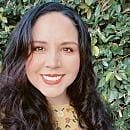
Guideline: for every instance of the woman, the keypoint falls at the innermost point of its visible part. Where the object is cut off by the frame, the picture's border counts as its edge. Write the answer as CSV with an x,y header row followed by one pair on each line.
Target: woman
x,y
47,80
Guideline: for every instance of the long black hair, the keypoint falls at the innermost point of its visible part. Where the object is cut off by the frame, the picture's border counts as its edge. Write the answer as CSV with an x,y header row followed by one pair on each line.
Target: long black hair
x,y
24,107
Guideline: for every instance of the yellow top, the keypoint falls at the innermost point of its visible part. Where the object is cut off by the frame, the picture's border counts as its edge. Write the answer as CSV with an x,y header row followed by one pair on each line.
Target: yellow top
x,y
65,117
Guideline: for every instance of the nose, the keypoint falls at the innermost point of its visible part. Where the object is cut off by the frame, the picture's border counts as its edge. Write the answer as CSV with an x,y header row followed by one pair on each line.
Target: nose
x,y
53,60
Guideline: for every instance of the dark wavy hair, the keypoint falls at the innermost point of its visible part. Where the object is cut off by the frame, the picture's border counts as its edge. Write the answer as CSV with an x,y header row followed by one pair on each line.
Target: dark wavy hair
x,y
24,107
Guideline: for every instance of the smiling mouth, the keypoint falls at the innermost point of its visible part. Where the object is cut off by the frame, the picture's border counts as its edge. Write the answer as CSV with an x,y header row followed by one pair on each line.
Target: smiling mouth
x,y
52,79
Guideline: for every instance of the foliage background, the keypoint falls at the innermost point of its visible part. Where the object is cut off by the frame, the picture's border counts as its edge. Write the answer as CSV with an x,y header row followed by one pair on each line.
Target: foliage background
x,y
109,25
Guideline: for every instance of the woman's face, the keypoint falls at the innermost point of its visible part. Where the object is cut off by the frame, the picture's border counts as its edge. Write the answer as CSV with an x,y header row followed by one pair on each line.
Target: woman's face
x,y
55,60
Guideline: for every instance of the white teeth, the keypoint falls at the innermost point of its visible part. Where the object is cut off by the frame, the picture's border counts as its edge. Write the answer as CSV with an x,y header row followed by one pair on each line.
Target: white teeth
x,y
52,78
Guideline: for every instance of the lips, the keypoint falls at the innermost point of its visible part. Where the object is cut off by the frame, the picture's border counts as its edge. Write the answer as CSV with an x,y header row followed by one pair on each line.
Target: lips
x,y
52,79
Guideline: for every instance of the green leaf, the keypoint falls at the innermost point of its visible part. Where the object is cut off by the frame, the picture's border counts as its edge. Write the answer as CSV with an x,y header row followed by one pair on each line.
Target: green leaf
x,y
123,76
4,19
89,13
118,77
101,82
76,1
105,63
95,50
94,40
106,16
128,89
118,8
127,100
108,76
1,9
25,1
97,11
113,94
89,2
101,35
120,113
112,82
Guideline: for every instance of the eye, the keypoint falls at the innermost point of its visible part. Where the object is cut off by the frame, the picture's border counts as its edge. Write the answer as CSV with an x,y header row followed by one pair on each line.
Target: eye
x,y
67,50
39,49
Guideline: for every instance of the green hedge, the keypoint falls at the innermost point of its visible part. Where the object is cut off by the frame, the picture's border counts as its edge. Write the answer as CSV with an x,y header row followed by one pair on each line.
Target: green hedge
x,y
109,24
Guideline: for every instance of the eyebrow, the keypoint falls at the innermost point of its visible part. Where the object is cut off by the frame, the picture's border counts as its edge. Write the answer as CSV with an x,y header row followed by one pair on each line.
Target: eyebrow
x,y
37,41
63,43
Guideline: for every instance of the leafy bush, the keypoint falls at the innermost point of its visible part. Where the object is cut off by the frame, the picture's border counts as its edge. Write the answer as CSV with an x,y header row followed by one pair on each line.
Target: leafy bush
x,y
109,24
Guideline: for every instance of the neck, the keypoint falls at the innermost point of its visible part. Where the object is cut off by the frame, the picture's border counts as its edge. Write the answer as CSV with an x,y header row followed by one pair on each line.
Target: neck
x,y
59,100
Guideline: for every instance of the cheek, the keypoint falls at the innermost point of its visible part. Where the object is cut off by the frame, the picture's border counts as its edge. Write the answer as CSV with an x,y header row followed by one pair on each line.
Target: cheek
x,y
31,70
76,66
33,64
72,64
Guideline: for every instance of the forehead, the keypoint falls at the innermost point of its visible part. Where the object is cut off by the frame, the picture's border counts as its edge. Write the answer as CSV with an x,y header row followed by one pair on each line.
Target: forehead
x,y
54,25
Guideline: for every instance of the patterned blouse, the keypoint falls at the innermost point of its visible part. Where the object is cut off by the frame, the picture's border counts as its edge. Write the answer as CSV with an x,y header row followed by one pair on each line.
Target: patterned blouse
x,y
65,117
